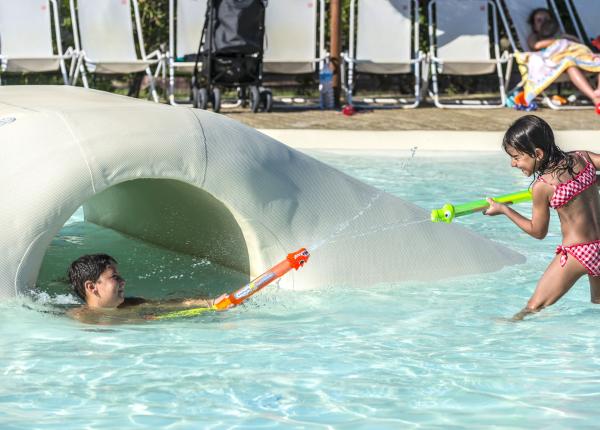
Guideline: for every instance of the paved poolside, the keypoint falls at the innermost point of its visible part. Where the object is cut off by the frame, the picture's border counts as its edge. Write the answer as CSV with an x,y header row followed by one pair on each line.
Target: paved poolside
x,y
422,118
428,128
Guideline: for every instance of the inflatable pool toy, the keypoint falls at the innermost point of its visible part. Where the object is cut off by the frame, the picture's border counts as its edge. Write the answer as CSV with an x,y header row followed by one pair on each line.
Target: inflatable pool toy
x,y
448,212
206,186
295,260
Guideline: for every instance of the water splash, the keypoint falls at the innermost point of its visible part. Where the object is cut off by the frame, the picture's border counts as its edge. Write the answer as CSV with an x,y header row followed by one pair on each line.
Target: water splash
x,y
405,163
338,232
379,229
345,224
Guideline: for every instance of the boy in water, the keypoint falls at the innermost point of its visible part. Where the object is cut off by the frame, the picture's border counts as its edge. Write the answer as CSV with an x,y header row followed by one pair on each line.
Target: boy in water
x,y
96,280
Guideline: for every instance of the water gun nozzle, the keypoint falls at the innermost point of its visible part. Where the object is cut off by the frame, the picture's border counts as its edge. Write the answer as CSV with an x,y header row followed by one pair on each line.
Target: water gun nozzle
x,y
299,258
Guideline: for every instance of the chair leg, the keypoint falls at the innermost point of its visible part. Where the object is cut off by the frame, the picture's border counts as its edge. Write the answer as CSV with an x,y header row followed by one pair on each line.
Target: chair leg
x,y
152,85
434,84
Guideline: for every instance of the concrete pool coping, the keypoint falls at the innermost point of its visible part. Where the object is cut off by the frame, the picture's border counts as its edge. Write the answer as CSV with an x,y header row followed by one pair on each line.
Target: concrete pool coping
x,y
425,140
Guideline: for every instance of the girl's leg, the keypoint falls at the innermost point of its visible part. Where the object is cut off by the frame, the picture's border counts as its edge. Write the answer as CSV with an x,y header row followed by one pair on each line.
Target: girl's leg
x,y
555,282
595,288
581,82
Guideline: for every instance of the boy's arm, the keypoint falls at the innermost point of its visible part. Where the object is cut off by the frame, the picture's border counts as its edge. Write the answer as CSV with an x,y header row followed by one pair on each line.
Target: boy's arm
x,y
171,303
187,303
537,226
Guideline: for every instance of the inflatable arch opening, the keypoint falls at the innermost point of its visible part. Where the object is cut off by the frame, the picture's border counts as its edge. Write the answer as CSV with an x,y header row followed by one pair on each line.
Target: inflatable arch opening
x,y
201,183
173,215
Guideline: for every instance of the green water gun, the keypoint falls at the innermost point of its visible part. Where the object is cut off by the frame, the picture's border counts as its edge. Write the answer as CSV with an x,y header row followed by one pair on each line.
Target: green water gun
x,y
448,212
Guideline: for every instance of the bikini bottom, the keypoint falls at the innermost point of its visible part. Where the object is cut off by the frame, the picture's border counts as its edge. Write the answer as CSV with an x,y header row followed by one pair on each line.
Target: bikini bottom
x,y
588,254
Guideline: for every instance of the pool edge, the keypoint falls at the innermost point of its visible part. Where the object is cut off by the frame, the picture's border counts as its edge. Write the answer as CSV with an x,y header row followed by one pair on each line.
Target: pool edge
x,y
475,141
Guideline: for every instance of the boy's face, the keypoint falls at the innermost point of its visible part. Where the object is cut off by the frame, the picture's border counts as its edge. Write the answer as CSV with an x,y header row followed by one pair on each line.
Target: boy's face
x,y
108,291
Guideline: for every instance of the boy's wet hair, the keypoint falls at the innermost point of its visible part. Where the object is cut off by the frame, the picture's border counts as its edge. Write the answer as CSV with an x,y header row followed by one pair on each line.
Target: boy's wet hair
x,y
88,268
531,132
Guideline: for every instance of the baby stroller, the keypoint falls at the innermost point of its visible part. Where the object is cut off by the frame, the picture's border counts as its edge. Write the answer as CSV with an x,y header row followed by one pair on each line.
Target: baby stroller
x,y
231,52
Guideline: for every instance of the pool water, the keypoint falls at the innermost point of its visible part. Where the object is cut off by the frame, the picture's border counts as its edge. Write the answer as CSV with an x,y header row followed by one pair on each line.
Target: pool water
x,y
417,355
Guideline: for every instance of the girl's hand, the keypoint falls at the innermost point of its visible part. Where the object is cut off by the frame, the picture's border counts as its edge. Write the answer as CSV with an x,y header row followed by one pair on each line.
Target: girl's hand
x,y
495,208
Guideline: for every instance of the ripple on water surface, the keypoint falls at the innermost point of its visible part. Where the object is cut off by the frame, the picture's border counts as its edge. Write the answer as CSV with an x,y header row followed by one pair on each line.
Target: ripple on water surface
x,y
427,355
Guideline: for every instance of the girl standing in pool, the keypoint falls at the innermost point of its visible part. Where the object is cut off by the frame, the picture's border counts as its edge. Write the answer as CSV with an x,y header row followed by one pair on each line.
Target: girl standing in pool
x,y
566,182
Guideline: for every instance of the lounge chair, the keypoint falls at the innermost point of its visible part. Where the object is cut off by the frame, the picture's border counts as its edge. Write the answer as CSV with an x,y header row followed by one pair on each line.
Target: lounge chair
x,y
459,44
385,40
588,12
104,40
26,38
186,20
519,12
291,37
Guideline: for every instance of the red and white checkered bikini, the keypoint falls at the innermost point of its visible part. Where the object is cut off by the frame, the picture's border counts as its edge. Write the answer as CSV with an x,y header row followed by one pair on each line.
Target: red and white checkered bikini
x,y
588,254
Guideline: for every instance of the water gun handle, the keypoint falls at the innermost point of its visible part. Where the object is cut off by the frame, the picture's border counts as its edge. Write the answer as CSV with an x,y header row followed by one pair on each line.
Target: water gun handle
x,y
295,260
448,212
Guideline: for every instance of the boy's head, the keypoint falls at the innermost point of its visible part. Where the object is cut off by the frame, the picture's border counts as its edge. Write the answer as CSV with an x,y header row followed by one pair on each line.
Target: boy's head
x,y
96,280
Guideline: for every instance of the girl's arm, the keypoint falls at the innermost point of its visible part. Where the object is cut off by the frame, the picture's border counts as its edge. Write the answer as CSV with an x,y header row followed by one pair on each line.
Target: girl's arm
x,y
536,44
541,44
537,226
570,37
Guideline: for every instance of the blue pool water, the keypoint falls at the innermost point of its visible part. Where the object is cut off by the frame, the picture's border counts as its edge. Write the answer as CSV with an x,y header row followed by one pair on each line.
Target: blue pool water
x,y
418,355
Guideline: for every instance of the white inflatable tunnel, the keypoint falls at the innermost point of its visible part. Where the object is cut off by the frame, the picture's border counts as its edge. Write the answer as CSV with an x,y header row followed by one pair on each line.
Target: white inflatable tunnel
x,y
205,185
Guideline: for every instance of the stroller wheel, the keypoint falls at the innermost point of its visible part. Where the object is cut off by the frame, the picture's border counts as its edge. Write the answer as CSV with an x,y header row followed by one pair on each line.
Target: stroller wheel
x,y
267,100
201,98
216,99
254,99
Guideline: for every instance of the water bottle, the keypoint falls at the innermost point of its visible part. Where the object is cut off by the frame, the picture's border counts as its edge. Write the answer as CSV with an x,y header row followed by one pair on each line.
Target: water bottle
x,y
326,88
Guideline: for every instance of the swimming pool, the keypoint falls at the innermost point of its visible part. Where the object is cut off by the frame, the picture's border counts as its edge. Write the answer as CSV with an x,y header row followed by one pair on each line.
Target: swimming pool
x,y
428,355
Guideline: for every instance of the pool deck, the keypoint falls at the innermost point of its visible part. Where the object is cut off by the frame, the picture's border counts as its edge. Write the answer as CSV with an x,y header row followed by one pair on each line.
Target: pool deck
x,y
422,118
428,128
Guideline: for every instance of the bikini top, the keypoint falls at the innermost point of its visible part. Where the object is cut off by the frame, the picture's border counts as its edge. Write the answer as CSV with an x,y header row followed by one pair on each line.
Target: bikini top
x,y
566,191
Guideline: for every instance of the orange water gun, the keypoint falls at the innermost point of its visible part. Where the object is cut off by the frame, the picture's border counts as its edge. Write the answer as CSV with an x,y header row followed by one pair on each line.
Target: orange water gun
x,y
295,260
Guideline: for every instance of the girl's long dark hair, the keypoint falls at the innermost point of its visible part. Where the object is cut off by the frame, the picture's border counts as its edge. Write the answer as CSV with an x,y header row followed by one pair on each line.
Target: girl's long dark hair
x,y
530,132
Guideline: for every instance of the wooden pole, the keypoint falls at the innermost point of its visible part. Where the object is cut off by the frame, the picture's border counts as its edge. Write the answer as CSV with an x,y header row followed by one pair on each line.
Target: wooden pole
x,y
335,47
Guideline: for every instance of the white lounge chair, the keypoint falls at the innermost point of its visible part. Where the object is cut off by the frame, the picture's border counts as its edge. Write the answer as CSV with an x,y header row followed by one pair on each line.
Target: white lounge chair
x,y
186,20
384,39
291,37
26,38
519,12
459,44
104,40
588,12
